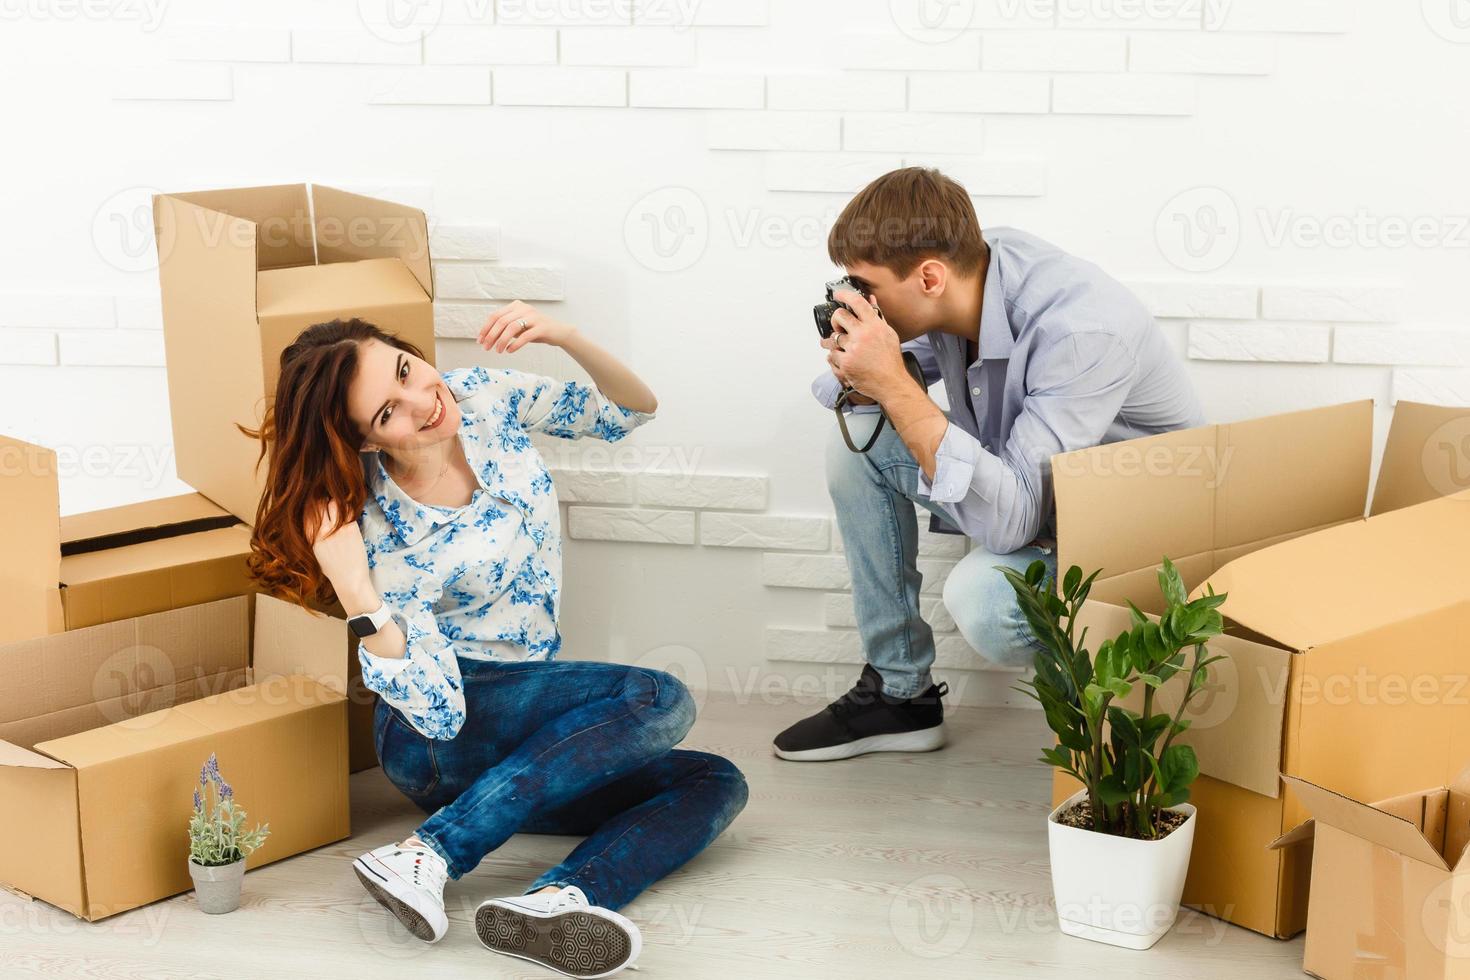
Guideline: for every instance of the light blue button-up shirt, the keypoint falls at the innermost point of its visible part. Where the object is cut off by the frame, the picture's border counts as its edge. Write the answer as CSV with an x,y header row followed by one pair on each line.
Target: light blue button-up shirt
x,y
481,581
1068,358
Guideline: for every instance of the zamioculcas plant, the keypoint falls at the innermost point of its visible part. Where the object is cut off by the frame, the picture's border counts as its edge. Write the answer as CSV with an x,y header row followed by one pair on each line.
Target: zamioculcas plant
x,y
1129,761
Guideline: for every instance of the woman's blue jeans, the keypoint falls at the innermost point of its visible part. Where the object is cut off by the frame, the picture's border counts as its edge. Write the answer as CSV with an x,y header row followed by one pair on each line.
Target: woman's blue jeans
x,y
567,747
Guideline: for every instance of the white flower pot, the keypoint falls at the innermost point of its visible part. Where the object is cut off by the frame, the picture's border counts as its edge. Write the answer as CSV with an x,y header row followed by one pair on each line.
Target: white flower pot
x,y
217,887
1117,890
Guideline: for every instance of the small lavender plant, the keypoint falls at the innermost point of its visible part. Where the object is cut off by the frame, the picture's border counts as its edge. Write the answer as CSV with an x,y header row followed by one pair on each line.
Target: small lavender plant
x,y
217,834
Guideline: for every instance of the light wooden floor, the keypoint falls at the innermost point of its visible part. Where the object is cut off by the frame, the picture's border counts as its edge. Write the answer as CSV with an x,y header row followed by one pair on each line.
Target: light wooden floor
x,y
926,866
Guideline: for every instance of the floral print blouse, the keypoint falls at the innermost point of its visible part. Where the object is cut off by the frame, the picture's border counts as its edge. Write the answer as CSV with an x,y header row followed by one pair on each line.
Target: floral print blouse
x,y
481,581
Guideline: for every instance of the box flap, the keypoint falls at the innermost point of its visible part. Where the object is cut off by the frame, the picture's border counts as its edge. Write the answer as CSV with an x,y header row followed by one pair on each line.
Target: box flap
x,y
1425,457
280,214
30,527
292,640
14,755
1367,822
1344,580
149,520
1205,495
1302,831
112,661
207,274
323,291
1236,721
352,226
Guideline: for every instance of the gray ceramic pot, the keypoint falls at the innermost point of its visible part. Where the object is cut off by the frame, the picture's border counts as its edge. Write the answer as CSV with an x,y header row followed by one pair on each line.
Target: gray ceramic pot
x,y
218,888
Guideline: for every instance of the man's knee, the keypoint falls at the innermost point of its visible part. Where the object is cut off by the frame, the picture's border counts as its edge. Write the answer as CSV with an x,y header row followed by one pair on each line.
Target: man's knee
x,y
983,605
843,465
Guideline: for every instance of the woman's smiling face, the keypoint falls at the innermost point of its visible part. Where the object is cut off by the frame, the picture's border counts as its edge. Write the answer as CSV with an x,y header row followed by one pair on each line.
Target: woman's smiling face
x,y
400,401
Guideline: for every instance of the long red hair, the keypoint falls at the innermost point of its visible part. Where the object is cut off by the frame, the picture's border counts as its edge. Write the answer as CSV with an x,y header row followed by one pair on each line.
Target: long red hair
x,y
311,445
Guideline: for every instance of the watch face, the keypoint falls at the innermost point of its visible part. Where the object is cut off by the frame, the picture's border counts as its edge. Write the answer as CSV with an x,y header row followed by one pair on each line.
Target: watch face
x,y
361,626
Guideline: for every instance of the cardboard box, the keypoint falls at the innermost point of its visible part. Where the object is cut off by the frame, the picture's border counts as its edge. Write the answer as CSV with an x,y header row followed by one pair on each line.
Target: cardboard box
x,y
128,561
242,273
30,599
1389,883
103,731
1321,602
151,556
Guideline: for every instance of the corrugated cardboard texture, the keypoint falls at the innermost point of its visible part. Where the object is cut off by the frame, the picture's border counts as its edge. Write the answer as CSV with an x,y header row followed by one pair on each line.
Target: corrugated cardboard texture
x,y
1425,456
1385,902
212,347
146,520
220,253
167,573
105,665
1205,495
94,820
1345,580
282,745
292,641
30,528
403,233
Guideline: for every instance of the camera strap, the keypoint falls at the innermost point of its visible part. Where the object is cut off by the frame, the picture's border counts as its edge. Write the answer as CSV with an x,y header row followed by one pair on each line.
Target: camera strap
x,y
911,363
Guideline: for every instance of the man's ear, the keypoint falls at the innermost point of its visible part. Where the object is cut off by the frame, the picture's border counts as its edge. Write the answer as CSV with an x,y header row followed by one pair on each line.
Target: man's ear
x,y
933,277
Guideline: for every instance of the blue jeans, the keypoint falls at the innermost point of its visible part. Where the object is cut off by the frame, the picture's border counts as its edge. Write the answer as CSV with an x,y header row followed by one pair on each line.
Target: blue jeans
x,y
566,747
874,494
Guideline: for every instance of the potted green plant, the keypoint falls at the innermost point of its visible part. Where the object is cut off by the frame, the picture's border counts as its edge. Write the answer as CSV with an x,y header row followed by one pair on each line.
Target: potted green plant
x,y
1120,846
219,842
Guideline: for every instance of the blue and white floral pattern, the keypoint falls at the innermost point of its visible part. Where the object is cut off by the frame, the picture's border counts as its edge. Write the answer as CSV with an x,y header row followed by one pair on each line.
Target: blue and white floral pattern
x,y
482,581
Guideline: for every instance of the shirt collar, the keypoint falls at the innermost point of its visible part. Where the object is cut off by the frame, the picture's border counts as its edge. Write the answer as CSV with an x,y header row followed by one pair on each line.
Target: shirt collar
x,y
411,520
996,340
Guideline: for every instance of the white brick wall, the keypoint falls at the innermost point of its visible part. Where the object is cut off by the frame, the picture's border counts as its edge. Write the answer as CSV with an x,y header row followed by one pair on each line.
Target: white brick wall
x,y
773,131
561,87
446,45
695,90
1124,95
180,82
991,92
1054,51
870,91
27,346
1260,341
1429,344
631,524
703,490
627,47
1202,54
349,46
764,531
478,280
469,242
431,86
1231,301
212,42
1330,302
902,132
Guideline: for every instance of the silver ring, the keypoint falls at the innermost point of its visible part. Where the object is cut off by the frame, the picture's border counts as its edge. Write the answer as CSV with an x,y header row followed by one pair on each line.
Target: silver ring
x,y
521,323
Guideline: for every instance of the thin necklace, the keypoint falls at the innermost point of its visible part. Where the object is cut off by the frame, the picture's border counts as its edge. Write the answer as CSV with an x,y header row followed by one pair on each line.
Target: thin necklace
x,y
436,479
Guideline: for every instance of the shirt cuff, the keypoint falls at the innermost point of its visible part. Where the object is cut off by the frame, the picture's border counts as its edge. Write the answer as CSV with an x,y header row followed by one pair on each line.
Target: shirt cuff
x,y
956,461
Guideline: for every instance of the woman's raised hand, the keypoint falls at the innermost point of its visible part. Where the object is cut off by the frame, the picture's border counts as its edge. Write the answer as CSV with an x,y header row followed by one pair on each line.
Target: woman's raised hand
x,y
341,553
517,324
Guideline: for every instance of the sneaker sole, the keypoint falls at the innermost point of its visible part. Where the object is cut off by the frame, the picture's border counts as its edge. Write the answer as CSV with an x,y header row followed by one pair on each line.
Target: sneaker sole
x,y
412,920
583,943
923,740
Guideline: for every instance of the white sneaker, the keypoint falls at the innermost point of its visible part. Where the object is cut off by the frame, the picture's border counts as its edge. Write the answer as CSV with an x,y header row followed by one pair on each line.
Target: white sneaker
x,y
409,882
560,930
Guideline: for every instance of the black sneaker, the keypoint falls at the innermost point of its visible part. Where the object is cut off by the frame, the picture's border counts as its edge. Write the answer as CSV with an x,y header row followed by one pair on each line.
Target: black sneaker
x,y
867,720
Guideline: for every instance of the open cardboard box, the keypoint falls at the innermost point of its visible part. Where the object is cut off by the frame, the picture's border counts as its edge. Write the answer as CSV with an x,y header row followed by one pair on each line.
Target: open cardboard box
x,y
242,273
127,561
103,731
1331,620
1389,883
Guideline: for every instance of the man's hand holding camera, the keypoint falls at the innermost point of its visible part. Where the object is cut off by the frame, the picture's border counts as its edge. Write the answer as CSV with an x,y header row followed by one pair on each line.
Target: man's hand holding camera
x,y
864,351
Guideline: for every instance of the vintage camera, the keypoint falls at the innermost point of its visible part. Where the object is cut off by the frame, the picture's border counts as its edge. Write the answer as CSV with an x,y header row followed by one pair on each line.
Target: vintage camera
x,y
822,312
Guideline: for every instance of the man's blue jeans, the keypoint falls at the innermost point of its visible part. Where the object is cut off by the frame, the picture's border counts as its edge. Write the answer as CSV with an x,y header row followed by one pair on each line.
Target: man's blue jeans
x,y
567,747
874,494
